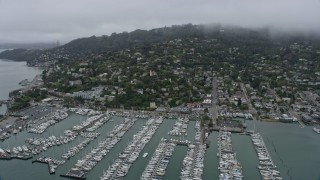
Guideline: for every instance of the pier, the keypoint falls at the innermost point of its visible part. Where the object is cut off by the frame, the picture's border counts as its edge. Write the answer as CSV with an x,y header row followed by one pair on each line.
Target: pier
x,y
266,166
4,102
193,162
302,125
91,159
229,166
52,163
126,158
180,142
156,167
180,127
73,176
15,157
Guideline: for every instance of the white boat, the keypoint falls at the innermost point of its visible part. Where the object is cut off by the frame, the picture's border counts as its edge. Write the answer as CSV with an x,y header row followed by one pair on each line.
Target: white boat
x,y
145,155
317,130
15,131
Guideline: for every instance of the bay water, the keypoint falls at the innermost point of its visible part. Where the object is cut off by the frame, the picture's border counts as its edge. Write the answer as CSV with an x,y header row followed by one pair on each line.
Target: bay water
x,y
11,73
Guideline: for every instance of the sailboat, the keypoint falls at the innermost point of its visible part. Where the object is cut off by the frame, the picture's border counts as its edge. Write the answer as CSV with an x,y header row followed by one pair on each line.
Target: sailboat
x,y
8,149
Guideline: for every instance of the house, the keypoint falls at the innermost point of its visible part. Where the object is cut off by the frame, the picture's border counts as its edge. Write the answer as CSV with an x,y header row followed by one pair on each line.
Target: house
x,y
153,73
46,100
206,103
287,100
153,105
84,64
81,70
306,118
133,81
286,118
140,91
94,93
74,83
109,97
76,75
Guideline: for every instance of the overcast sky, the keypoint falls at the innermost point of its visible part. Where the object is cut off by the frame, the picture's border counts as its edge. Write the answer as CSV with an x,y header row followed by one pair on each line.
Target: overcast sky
x,y
64,20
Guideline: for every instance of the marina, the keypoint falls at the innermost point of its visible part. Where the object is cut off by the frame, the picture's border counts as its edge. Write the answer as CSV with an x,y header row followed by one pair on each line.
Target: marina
x,y
178,111
96,154
82,146
156,167
229,166
180,127
193,162
266,166
126,158
50,120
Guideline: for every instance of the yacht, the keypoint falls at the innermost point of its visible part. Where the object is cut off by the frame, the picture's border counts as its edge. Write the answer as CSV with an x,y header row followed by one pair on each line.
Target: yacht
x,y
317,130
145,155
8,151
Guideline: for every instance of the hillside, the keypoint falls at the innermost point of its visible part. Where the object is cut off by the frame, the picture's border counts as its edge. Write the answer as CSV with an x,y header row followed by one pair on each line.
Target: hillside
x,y
20,54
83,47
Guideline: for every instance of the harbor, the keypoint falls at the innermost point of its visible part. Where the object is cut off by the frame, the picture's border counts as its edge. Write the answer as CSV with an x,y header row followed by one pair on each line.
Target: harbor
x,y
97,153
59,138
80,137
229,166
156,167
80,134
126,158
180,127
266,166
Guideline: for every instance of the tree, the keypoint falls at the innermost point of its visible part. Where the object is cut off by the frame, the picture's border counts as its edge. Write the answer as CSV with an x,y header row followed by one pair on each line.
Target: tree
x,y
239,102
68,101
210,124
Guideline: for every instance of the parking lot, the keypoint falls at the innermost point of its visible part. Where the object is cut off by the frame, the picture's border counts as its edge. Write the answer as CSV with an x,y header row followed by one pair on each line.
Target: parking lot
x,y
230,123
36,112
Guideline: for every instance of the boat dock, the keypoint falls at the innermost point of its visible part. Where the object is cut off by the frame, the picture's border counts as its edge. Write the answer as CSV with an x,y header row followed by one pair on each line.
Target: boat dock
x,y
180,127
129,155
90,160
9,157
3,102
156,167
301,124
52,163
193,162
266,166
180,142
49,120
74,175
229,166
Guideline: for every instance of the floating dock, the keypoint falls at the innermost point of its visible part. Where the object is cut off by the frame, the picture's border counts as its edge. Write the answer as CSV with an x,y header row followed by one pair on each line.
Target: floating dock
x,y
15,157
72,176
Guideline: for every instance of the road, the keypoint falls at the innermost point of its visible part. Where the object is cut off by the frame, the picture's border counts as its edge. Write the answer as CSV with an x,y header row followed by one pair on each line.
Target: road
x,y
294,114
252,110
214,94
37,81
273,91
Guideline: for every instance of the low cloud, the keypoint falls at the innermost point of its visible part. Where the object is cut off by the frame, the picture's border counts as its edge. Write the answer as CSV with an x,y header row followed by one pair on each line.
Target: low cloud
x,y
64,20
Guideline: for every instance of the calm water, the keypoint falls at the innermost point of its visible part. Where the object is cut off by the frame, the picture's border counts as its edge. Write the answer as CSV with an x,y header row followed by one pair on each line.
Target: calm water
x,y
211,160
246,155
11,73
294,150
